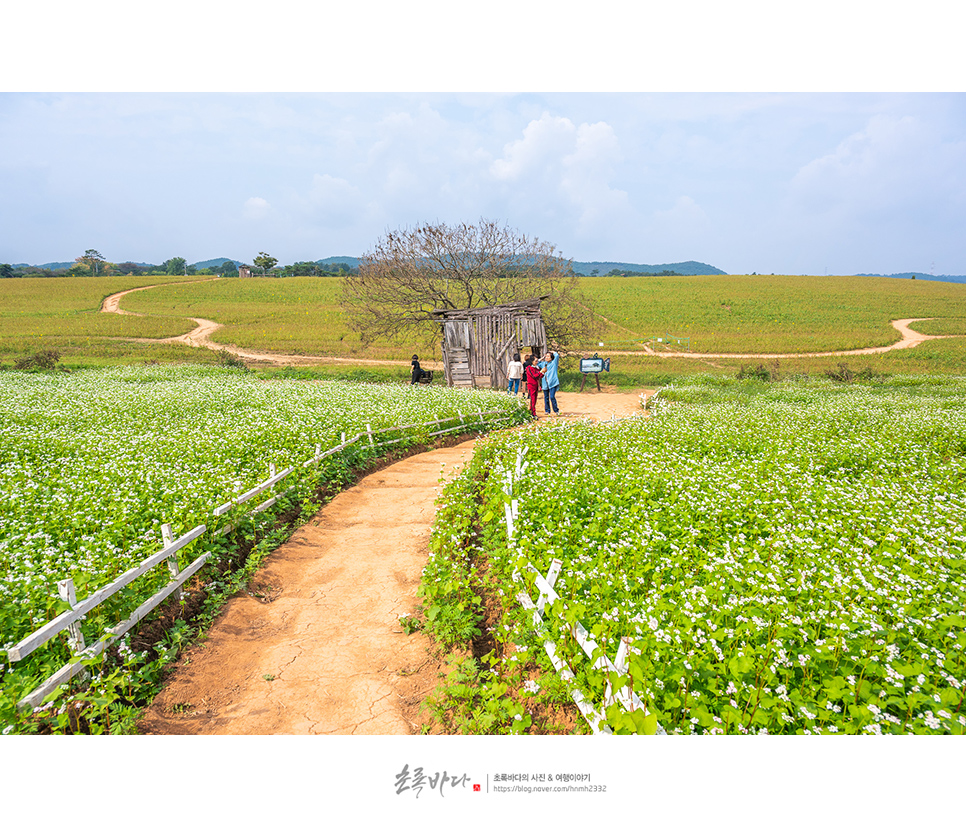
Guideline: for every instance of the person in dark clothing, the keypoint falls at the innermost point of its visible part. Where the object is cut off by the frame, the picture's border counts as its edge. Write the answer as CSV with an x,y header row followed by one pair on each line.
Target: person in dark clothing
x,y
417,371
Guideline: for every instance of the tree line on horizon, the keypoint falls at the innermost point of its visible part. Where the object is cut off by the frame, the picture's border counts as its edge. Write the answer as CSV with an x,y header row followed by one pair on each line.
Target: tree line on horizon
x,y
627,273
93,263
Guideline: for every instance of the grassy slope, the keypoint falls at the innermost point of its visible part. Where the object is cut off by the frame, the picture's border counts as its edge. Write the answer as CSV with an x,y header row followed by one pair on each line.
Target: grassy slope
x,y
62,313
286,315
772,314
725,313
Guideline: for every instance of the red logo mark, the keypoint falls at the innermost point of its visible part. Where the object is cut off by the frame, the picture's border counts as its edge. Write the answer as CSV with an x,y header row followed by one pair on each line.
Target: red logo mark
x,y
476,787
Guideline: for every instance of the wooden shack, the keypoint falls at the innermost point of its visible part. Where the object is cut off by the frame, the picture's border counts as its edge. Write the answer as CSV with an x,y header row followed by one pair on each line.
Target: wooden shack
x,y
479,341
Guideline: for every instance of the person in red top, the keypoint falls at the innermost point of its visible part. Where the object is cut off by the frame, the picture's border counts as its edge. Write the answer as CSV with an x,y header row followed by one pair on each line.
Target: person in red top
x,y
532,374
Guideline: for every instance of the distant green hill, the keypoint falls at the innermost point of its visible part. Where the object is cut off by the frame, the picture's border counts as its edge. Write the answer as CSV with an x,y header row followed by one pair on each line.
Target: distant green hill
x,y
585,268
685,268
342,259
215,262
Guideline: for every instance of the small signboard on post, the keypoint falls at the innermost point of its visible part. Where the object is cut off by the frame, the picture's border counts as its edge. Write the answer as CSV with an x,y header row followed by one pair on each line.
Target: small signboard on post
x,y
593,365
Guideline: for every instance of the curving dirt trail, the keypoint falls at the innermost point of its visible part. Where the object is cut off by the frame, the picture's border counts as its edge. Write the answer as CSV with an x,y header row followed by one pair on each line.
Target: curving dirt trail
x,y
201,337
325,654
909,339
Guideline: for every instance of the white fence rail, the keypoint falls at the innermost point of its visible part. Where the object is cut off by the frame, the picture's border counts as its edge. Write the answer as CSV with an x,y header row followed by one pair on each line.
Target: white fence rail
x,y
625,695
70,620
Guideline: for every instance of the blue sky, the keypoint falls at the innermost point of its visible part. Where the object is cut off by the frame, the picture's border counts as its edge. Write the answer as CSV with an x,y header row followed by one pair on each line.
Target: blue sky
x,y
792,182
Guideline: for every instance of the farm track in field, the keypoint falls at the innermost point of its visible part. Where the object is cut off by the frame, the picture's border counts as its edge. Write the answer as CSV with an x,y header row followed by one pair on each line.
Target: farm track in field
x,y
910,339
320,650
200,336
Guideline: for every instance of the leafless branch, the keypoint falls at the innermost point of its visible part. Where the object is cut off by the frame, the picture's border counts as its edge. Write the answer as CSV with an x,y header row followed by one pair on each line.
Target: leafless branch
x,y
411,272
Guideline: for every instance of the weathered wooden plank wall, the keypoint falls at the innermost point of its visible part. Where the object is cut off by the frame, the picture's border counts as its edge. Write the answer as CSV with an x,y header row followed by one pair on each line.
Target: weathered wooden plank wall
x,y
476,339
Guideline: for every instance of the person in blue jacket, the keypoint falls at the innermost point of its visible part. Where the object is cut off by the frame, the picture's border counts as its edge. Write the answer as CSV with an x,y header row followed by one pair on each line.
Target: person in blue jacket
x,y
550,382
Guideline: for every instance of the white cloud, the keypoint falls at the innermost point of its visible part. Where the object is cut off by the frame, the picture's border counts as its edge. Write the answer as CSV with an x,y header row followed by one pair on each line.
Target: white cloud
x,y
545,141
887,197
681,232
684,212
333,201
255,208
892,161
563,171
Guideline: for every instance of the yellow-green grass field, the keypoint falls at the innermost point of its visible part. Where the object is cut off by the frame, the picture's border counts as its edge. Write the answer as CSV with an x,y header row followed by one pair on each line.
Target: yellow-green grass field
x,y
724,313
946,356
774,313
298,315
38,313
945,326
720,313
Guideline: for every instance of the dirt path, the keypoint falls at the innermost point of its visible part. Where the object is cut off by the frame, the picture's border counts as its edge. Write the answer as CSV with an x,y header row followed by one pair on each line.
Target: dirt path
x,y
201,337
326,654
909,339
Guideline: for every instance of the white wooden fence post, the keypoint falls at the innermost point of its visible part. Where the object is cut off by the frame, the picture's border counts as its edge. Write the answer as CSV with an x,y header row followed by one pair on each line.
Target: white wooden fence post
x,y
620,664
75,637
552,575
508,511
509,507
517,471
343,438
369,432
167,538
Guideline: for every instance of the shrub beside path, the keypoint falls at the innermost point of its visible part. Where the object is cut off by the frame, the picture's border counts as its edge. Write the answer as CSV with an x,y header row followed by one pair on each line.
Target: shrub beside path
x,y
320,649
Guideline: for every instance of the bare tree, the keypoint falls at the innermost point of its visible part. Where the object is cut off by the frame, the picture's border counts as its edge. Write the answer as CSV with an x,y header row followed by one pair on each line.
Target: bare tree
x,y
412,272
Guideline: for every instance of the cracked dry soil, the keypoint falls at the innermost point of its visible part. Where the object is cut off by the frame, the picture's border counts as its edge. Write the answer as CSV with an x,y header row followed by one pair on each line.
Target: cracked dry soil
x,y
320,649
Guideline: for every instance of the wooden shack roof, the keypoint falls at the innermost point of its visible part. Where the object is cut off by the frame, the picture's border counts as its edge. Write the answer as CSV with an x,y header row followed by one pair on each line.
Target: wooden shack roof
x,y
529,305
